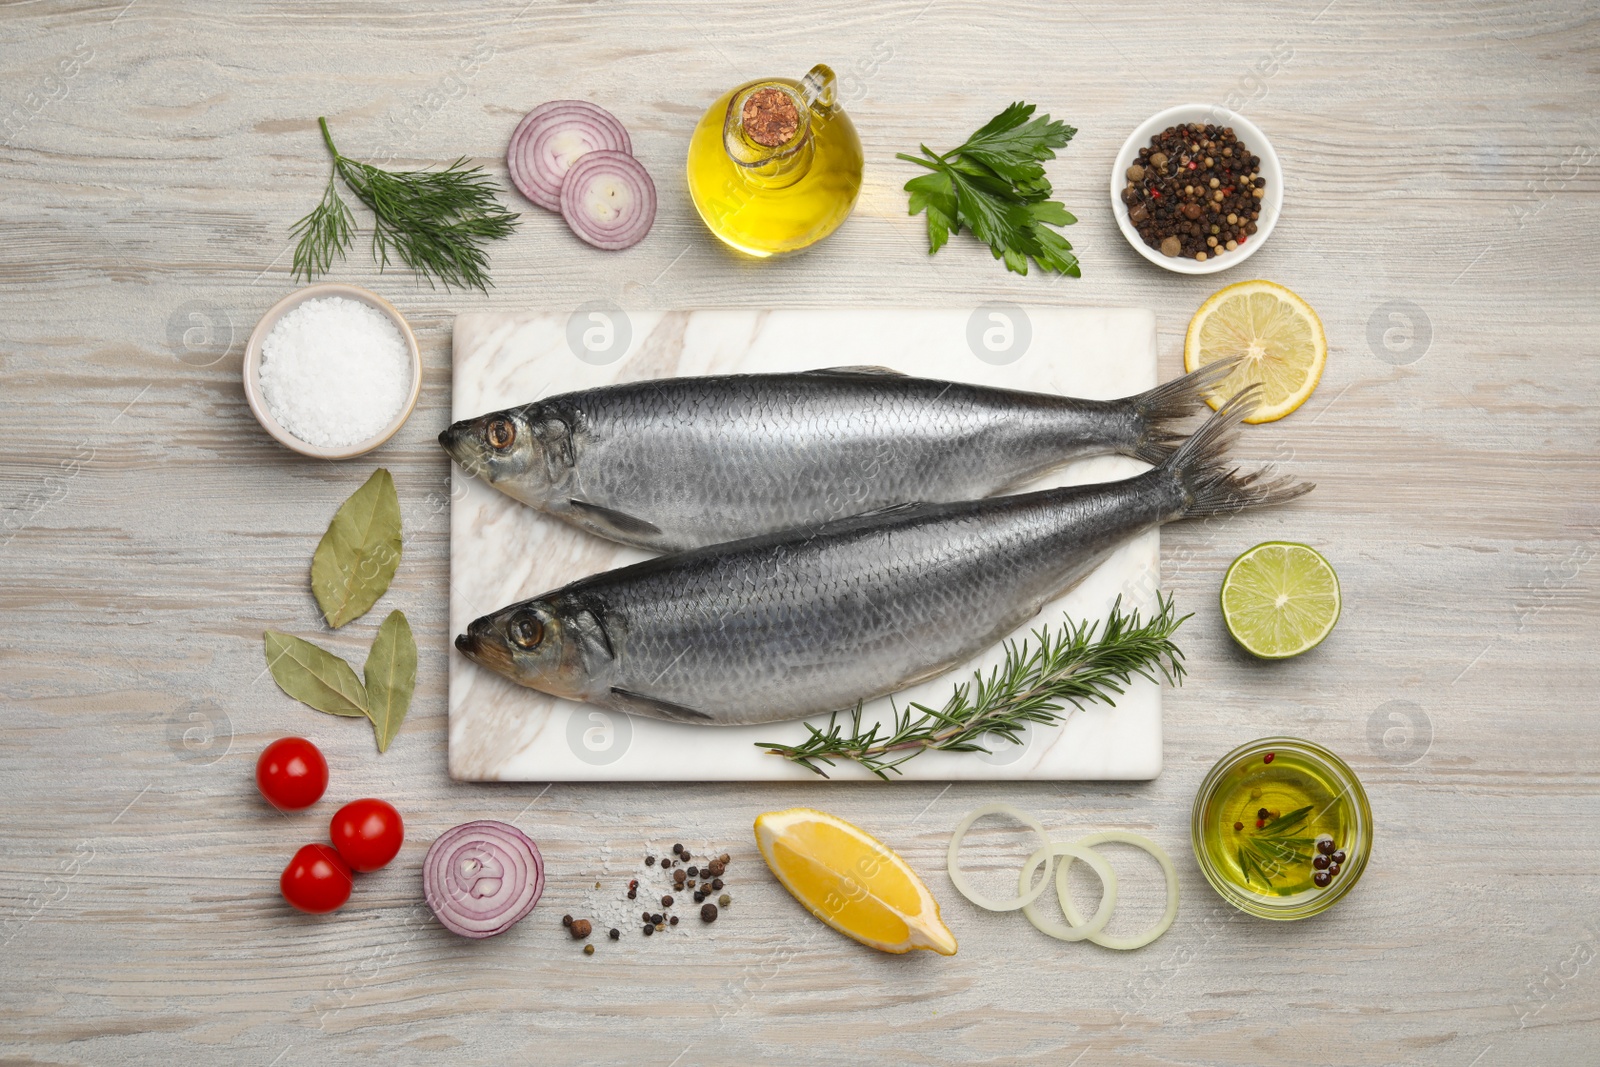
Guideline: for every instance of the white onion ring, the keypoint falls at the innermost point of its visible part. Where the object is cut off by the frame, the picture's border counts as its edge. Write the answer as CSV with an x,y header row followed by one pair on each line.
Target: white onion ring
x,y
554,136
482,878
1124,944
1025,896
1077,931
609,200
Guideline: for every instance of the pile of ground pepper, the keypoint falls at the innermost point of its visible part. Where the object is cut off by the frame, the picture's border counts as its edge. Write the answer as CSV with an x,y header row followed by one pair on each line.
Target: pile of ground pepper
x,y
679,878
1195,192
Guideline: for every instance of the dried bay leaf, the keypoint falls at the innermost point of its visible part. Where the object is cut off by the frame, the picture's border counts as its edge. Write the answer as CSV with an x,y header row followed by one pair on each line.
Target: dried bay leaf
x,y
391,672
356,559
314,676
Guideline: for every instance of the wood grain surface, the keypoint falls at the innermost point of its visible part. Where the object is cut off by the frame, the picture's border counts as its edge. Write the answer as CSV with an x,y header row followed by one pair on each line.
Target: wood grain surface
x,y
1439,213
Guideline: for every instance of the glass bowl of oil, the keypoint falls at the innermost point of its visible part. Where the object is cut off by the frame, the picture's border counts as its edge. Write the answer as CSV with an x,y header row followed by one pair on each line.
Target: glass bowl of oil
x,y
1281,828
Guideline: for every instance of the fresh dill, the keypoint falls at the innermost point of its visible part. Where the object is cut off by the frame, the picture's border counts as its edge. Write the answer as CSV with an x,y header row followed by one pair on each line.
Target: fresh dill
x,y
433,221
1080,663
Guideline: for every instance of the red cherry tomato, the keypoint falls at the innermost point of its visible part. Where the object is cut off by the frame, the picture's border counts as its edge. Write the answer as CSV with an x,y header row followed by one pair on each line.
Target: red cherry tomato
x,y
291,773
317,879
367,833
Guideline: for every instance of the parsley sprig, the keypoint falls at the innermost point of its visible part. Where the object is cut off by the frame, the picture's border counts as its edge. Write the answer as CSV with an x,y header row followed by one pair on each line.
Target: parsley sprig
x,y
995,186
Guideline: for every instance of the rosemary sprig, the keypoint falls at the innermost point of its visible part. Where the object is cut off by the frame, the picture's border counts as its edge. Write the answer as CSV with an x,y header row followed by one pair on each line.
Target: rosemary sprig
x,y
1081,663
433,220
1275,847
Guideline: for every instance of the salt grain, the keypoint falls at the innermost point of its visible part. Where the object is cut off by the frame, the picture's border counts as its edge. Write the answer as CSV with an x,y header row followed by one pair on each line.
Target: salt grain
x,y
335,372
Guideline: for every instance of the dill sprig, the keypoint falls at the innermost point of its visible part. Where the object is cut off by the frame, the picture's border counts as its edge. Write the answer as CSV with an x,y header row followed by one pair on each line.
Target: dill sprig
x,y
434,221
1080,663
1277,846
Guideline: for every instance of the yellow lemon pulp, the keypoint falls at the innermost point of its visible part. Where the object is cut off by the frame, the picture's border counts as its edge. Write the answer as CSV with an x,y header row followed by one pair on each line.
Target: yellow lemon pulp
x,y
851,881
1276,332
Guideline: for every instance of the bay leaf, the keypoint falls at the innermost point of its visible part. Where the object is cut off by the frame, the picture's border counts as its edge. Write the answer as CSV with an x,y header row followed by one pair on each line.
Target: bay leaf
x,y
356,559
314,676
391,673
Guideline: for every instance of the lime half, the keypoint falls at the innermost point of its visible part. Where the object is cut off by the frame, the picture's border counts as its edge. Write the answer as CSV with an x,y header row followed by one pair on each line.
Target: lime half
x,y
1280,599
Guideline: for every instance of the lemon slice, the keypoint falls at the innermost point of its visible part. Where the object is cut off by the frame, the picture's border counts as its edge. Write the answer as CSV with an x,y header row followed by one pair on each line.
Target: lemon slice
x,y
852,881
1280,599
1276,333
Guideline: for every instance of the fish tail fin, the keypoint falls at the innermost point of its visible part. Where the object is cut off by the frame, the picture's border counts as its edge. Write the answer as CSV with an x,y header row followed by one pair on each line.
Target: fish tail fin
x,y
1212,488
1156,412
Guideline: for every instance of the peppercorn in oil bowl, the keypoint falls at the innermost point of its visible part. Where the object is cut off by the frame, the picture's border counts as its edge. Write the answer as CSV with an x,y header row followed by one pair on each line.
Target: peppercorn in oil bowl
x,y
1281,828
332,371
1208,178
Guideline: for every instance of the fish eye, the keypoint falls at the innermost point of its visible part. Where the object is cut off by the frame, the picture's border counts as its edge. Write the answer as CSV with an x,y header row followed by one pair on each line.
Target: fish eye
x,y
501,433
526,631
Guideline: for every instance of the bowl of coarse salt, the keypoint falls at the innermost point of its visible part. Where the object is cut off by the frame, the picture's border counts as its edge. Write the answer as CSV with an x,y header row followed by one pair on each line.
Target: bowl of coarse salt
x,y
332,371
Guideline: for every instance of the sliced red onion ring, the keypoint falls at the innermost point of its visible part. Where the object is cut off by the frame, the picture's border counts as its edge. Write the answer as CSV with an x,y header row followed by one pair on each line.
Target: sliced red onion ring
x,y
609,200
554,136
482,878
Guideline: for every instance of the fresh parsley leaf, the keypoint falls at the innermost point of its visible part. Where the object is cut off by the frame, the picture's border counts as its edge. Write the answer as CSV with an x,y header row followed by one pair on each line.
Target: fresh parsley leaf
x,y
1012,146
934,194
995,186
1052,252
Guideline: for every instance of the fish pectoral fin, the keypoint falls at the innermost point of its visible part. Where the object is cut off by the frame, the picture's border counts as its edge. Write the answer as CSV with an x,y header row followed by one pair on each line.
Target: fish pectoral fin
x,y
862,371
659,709
615,522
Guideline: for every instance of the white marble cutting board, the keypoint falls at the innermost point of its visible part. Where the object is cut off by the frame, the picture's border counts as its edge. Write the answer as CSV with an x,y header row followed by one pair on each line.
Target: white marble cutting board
x,y
502,551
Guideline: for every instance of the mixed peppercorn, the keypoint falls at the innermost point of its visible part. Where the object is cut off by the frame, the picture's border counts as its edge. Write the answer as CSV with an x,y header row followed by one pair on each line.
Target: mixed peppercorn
x,y
1195,192
701,878
1327,862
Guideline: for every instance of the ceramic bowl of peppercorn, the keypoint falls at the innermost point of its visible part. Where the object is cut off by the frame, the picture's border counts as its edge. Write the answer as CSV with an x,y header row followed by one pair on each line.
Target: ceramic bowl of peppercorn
x,y
1197,189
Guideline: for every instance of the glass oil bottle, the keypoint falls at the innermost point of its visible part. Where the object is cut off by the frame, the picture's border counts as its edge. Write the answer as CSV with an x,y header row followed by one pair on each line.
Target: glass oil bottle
x,y
775,164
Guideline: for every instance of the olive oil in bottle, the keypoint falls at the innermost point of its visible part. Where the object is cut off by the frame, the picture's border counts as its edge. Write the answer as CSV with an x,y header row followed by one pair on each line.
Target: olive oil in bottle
x,y
775,165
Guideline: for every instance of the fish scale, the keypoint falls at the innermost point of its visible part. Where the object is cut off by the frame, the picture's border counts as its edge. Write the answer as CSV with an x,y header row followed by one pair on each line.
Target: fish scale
x,y
685,462
813,620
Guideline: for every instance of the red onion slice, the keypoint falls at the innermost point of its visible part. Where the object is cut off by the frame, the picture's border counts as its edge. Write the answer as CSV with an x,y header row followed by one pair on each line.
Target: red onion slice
x,y
609,200
554,136
482,878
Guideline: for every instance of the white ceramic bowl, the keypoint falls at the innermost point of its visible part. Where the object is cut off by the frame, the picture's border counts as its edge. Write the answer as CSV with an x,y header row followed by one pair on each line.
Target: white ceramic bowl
x,y
1255,141
252,370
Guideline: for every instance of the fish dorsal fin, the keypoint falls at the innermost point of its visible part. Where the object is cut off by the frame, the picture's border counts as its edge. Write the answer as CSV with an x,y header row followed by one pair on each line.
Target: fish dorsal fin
x,y
617,525
659,709
889,509
864,371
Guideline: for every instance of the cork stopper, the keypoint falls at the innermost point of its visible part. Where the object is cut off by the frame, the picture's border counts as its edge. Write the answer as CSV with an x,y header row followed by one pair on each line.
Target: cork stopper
x,y
770,117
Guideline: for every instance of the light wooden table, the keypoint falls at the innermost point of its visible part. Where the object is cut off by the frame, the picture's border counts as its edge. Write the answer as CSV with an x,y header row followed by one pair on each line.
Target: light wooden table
x,y
1439,214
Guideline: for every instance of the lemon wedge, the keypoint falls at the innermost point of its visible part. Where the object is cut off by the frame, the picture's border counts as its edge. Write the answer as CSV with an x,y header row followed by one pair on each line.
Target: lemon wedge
x,y
1276,333
852,881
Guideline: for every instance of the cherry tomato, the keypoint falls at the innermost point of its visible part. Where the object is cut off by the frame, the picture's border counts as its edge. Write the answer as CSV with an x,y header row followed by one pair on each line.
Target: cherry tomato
x,y
367,833
291,773
316,880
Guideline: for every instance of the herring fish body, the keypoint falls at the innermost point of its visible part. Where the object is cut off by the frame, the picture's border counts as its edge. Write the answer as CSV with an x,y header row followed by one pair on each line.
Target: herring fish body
x,y
678,463
794,624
